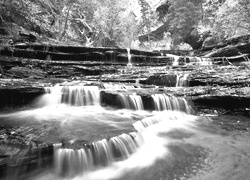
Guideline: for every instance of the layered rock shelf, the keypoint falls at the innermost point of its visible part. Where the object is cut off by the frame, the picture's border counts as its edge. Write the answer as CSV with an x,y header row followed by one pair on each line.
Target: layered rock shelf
x,y
55,63
203,76
225,99
75,53
19,93
151,83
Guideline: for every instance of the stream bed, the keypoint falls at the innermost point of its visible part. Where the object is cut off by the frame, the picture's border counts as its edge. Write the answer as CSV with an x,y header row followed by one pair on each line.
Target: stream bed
x,y
93,142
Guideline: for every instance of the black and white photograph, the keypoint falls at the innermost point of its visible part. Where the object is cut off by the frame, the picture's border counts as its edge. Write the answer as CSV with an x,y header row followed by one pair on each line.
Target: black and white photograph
x,y
124,89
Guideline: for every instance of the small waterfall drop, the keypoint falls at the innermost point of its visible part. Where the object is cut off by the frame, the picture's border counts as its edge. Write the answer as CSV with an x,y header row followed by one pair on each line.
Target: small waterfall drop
x,y
160,102
72,95
132,101
182,80
114,157
175,59
70,162
129,65
164,102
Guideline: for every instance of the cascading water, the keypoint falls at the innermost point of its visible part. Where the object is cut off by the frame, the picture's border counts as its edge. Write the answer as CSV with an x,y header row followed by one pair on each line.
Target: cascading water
x,y
129,65
160,102
182,80
164,102
70,162
113,158
165,145
132,101
72,95
202,61
175,59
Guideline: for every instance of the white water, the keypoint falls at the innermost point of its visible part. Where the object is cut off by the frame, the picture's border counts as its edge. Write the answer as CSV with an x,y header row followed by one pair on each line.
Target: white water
x,y
129,65
70,162
170,142
90,96
200,61
160,102
144,150
171,145
165,144
181,80
175,59
132,101
164,102
154,146
71,95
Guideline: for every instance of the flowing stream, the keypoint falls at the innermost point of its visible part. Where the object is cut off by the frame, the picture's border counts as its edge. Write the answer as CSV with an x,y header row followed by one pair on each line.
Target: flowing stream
x,y
92,142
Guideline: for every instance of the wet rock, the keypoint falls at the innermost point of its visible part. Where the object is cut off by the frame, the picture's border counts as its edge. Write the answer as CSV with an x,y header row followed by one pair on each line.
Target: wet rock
x,y
224,101
18,97
124,99
96,70
24,72
75,53
168,80
32,161
199,98
82,49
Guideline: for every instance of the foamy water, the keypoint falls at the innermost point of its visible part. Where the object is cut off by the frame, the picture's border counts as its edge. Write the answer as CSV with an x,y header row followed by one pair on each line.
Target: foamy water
x,y
177,145
163,144
154,134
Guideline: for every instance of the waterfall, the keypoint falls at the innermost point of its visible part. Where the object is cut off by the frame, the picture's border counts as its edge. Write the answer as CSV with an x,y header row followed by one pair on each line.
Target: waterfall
x,y
115,156
72,95
174,58
160,102
70,162
181,80
132,101
129,58
202,61
173,118
164,102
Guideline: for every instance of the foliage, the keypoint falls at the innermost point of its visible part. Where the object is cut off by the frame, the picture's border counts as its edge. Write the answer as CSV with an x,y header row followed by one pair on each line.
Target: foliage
x,y
72,20
114,25
183,19
191,21
148,23
233,18
162,11
226,18
146,13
